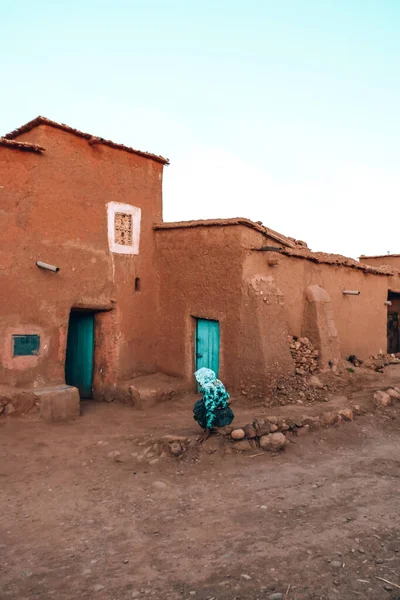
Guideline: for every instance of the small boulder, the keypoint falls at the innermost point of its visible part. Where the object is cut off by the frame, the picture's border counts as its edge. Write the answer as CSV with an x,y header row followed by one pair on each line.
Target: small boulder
x,y
262,426
329,419
8,409
250,431
272,420
283,426
159,485
393,393
382,398
346,414
226,430
273,442
176,449
273,428
238,434
115,456
313,422
242,445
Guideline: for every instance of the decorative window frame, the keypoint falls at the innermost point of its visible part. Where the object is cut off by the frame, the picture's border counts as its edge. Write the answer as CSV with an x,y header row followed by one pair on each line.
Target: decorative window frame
x,y
136,213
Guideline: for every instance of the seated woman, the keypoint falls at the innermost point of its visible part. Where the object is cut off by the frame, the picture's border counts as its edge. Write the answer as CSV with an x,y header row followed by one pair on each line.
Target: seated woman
x,y
213,409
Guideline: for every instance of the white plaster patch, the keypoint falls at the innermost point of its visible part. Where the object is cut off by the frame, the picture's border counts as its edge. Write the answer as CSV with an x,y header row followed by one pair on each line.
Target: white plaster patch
x,y
117,214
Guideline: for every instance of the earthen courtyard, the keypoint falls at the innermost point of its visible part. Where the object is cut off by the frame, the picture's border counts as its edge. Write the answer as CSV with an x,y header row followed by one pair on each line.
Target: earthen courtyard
x,y
95,508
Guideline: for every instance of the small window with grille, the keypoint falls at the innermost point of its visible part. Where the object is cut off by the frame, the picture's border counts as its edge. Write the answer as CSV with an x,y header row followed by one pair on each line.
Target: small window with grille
x,y
123,228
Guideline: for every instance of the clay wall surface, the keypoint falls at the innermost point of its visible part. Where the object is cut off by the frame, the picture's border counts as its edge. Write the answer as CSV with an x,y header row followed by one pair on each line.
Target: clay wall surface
x,y
392,262
360,320
54,209
199,272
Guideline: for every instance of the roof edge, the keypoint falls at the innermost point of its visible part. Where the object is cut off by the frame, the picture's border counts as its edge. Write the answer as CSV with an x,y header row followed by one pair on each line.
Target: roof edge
x,y
87,136
336,260
379,256
25,146
230,222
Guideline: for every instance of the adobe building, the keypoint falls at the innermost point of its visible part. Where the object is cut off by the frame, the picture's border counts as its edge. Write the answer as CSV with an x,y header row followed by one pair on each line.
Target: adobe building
x,y
97,292
86,206
391,262
258,287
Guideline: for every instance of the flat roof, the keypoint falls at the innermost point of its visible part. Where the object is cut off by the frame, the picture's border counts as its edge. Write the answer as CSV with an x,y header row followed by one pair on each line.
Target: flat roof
x,y
286,241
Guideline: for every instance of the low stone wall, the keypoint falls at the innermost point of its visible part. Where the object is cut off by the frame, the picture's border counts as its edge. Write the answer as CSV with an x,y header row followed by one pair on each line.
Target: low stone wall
x,y
270,433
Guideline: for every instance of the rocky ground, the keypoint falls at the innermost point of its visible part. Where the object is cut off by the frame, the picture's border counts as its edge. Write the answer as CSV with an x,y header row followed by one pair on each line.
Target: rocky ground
x,y
97,509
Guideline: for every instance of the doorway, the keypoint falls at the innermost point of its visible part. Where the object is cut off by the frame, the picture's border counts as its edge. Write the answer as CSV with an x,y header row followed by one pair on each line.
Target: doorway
x,y
393,341
207,345
80,352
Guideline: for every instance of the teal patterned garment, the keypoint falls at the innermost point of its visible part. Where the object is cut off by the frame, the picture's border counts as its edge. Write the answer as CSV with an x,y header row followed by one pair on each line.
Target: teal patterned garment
x,y
214,394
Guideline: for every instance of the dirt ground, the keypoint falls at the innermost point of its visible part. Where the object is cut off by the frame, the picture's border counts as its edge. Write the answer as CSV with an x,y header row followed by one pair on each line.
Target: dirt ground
x,y
318,521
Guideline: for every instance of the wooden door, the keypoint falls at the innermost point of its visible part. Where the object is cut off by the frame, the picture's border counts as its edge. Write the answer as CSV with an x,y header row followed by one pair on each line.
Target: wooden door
x,y
207,345
80,349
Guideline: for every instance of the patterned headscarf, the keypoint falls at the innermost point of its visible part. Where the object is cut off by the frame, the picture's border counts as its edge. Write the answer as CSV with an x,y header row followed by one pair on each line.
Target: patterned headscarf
x,y
204,376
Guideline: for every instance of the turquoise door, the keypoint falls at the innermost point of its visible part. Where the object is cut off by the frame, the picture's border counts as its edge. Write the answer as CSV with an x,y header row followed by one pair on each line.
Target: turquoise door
x,y
80,345
207,345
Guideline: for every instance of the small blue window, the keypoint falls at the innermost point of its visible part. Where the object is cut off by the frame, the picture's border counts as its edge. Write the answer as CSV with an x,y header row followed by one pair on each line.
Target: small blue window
x,y
26,345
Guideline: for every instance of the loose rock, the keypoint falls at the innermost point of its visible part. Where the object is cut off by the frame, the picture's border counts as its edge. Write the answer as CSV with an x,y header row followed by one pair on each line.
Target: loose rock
x,y
238,434
159,485
276,596
98,587
273,442
382,398
242,445
115,455
346,414
8,409
250,431
262,426
329,418
176,449
393,393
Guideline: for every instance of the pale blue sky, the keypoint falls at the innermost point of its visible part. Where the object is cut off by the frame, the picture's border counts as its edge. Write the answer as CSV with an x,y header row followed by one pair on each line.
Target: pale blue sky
x,y
285,112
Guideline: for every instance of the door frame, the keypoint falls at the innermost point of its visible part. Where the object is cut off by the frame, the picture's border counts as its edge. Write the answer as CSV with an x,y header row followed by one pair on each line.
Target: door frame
x,y
191,339
93,312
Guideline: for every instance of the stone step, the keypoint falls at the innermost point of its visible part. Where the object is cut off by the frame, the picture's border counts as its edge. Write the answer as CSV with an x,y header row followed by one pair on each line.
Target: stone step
x,y
148,390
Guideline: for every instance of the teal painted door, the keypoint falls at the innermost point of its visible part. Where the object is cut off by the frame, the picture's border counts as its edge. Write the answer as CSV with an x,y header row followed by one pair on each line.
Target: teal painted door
x,y
207,345
80,345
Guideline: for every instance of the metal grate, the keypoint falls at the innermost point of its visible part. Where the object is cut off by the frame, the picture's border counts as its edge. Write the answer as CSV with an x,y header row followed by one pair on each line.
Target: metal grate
x,y
26,345
123,229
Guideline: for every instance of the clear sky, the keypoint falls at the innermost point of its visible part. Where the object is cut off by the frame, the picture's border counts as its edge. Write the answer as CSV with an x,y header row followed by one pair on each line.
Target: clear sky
x,y
284,111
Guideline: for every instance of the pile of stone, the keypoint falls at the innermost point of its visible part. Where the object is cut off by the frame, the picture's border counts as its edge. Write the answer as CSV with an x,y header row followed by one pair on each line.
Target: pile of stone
x,y
298,389
304,354
380,361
